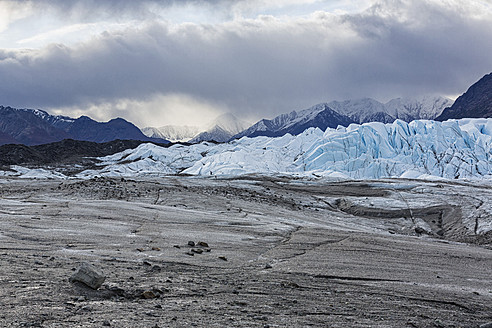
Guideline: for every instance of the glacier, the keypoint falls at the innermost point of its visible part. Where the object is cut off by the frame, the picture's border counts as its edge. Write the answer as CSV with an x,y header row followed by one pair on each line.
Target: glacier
x,y
454,149
421,149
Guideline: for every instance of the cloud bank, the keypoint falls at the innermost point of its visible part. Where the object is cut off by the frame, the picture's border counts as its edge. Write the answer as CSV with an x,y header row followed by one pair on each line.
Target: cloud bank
x,y
253,67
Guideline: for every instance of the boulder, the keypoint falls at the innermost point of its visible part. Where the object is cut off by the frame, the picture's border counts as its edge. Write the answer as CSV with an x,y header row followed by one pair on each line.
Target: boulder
x,y
89,276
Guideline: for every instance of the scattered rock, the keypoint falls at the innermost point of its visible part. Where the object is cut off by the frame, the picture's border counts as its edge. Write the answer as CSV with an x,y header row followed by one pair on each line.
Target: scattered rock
x,y
289,285
190,253
89,276
147,263
191,243
197,251
117,291
223,258
268,266
177,246
84,309
148,294
156,248
202,244
106,323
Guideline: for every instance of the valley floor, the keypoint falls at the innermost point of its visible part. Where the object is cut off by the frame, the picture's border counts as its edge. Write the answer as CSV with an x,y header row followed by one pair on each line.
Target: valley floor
x,y
275,252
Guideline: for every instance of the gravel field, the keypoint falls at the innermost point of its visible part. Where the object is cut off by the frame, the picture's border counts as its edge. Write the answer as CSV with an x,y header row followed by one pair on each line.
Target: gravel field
x,y
253,251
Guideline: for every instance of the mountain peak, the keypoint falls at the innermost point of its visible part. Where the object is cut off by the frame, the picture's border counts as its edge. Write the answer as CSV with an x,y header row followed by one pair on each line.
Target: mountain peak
x,y
173,133
221,129
320,116
425,107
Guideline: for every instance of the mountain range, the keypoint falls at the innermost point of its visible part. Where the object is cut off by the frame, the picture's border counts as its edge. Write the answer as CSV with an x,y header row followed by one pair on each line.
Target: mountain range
x,y
173,133
220,130
35,127
335,113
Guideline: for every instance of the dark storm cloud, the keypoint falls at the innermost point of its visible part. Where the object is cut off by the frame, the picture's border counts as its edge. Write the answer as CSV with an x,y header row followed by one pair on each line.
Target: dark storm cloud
x,y
266,66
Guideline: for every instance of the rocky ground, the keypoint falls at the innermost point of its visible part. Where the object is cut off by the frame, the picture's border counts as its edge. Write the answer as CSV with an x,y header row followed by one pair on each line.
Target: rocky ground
x,y
274,252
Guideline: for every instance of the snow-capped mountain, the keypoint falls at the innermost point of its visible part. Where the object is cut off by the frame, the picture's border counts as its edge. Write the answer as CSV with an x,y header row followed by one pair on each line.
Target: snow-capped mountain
x,y
475,102
423,108
173,133
319,116
346,112
362,110
221,129
30,127
34,127
407,109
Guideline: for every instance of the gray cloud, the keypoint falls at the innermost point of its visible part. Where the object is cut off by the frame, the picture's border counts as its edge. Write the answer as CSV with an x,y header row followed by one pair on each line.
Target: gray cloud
x,y
90,10
264,66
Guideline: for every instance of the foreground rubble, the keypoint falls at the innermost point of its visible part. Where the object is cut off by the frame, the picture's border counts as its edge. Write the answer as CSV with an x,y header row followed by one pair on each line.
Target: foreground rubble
x,y
249,252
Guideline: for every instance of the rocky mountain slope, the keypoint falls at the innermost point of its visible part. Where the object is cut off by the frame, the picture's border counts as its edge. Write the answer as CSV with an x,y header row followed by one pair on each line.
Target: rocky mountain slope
x,y
475,102
28,127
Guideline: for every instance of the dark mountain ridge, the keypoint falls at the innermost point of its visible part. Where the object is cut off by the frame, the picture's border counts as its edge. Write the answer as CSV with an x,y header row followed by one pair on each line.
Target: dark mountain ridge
x,y
474,103
34,127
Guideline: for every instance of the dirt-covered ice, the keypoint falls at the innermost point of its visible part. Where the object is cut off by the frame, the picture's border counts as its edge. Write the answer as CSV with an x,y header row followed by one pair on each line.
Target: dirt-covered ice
x,y
275,252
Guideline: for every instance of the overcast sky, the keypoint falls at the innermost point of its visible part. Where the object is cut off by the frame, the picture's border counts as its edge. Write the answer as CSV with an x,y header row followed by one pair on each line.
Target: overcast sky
x,y
184,62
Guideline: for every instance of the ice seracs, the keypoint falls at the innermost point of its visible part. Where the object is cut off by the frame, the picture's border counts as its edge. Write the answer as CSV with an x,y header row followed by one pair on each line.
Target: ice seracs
x,y
453,149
